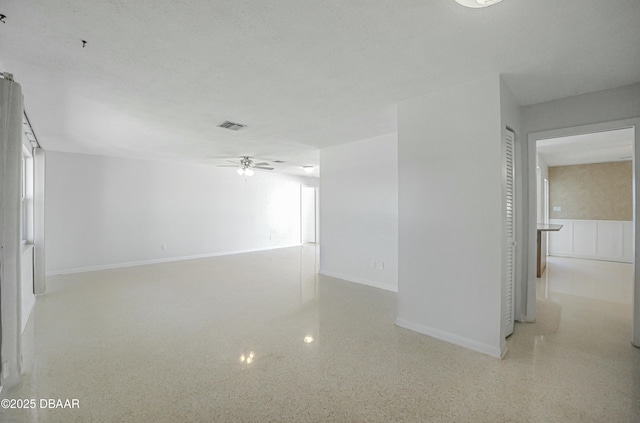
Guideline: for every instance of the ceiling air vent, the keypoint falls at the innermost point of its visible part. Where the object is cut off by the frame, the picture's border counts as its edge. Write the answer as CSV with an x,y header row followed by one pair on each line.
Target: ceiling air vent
x,y
279,161
231,125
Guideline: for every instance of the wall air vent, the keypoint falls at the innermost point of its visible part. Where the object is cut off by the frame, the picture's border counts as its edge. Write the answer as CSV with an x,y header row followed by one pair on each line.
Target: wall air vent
x,y
231,125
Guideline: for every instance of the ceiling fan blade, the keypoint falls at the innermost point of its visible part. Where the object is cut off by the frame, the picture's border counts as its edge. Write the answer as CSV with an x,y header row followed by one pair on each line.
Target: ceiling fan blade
x,y
236,163
263,168
261,164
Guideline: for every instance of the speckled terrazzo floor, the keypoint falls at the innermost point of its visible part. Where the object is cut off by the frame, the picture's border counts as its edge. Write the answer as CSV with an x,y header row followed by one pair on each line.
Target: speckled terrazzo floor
x,y
172,343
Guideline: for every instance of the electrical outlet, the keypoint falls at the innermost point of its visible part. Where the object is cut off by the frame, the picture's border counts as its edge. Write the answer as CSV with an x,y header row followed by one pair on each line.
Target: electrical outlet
x,y
380,265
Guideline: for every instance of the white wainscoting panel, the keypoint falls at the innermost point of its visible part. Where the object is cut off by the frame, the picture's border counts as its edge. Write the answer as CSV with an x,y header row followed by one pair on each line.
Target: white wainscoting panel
x,y
561,241
585,237
627,244
609,239
593,239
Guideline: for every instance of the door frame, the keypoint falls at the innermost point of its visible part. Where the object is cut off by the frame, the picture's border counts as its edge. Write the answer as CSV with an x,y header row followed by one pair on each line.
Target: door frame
x,y
530,291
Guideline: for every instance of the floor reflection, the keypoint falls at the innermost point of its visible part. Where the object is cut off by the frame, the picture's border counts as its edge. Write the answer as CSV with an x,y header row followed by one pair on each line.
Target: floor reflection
x,y
600,280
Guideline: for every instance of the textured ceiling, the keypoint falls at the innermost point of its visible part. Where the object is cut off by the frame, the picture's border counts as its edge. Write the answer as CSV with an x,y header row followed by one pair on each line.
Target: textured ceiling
x,y
599,147
156,77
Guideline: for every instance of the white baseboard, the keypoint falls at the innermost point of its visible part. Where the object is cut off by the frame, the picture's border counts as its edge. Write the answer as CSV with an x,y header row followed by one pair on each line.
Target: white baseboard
x,y
591,257
358,280
470,344
162,260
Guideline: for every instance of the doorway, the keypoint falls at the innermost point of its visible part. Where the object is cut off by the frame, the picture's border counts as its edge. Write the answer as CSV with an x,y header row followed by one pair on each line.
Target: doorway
x,y
631,125
308,214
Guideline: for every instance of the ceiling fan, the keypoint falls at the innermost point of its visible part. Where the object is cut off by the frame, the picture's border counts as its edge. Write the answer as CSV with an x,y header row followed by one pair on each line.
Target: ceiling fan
x,y
246,166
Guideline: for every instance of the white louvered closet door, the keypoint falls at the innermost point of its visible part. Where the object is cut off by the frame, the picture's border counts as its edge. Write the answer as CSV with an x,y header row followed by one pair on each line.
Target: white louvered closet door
x,y
509,249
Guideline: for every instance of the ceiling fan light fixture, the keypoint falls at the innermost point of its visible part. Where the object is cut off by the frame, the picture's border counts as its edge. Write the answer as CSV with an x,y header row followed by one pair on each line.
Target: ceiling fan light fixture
x,y
246,166
477,3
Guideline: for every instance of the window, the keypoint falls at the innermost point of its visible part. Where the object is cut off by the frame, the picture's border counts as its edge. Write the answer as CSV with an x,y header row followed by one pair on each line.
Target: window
x,y
26,227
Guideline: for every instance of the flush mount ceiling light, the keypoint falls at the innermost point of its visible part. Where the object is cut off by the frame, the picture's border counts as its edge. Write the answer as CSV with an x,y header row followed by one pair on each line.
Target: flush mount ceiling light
x,y
308,169
477,3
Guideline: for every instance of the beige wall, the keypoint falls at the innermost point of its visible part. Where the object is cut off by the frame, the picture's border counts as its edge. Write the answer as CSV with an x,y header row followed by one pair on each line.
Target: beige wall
x,y
598,191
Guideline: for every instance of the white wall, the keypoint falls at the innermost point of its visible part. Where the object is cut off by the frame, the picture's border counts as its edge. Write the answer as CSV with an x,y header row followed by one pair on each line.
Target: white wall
x,y
450,215
106,212
359,211
601,106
